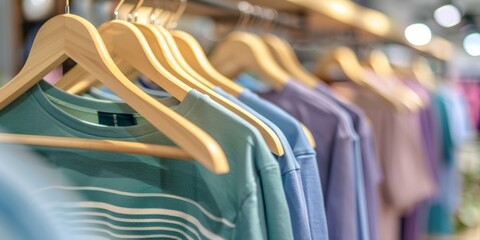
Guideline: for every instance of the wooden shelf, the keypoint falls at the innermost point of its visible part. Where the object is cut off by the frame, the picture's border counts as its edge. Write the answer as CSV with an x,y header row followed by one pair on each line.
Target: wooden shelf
x,y
323,13
360,18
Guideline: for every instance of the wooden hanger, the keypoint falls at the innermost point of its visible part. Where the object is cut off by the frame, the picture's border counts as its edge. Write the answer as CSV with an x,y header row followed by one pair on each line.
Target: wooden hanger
x,y
159,53
347,60
380,64
71,36
180,58
197,59
77,81
159,47
285,56
241,51
193,53
126,41
163,47
190,54
154,43
423,73
378,61
167,37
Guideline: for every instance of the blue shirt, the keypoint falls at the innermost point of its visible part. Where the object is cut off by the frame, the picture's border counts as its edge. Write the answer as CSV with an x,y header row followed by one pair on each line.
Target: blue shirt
x,y
291,177
333,134
304,154
363,232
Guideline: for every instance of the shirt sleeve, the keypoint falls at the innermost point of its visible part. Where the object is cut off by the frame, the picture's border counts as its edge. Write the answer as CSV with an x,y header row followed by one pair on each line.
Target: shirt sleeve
x,y
297,205
312,189
248,224
277,214
340,194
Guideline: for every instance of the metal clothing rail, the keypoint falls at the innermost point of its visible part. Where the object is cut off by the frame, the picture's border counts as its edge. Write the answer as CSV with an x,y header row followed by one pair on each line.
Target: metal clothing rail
x,y
234,9
302,15
281,19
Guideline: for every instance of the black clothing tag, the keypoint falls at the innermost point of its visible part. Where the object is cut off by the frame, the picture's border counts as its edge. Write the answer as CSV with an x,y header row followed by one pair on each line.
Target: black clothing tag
x,y
116,119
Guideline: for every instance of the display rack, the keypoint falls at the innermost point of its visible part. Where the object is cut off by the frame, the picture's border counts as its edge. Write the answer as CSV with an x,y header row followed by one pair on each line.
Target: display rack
x,y
321,14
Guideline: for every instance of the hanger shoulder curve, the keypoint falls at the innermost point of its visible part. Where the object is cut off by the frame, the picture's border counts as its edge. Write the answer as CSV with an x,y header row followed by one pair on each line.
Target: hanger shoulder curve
x,y
380,64
269,136
423,73
162,52
378,61
122,48
241,51
72,36
309,135
197,59
347,60
129,44
285,56
180,58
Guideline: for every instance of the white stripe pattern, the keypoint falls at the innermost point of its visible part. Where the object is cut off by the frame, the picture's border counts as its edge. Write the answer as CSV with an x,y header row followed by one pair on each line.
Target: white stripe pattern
x,y
89,237
140,211
164,195
163,236
132,228
130,220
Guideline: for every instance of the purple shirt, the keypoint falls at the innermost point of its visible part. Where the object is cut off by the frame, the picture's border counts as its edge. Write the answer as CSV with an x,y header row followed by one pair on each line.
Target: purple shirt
x,y
334,153
305,156
291,176
369,161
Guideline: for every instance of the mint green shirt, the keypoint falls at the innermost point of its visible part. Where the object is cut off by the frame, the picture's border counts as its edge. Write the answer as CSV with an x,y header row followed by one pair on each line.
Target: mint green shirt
x,y
133,196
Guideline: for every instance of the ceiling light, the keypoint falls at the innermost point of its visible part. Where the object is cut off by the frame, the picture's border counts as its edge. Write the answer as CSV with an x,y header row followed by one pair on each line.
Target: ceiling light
x,y
418,34
471,44
447,15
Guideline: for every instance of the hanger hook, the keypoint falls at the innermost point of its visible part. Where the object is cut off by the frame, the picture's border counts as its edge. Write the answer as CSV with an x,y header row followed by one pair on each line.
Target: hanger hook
x,y
266,15
265,18
271,15
249,16
134,12
117,8
163,15
243,7
152,17
172,22
252,14
257,16
67,6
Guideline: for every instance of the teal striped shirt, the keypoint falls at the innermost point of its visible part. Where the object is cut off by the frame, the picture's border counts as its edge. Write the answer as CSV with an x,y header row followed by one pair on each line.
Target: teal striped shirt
x,y
133,196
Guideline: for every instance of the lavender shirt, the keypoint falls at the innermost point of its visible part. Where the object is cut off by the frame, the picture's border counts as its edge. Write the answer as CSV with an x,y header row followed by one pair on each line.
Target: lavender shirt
x,y
332,133
371,169
305,156
291,175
